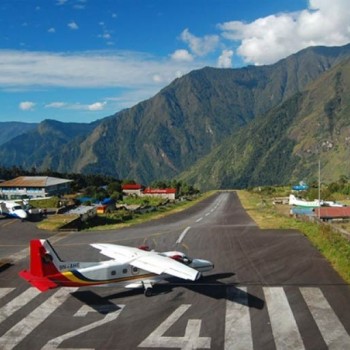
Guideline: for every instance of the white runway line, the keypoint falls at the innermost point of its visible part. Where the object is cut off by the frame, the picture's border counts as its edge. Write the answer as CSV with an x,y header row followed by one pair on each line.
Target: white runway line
x,y
17,303
238,333
183,234
332,330
284,328
4,291
23,328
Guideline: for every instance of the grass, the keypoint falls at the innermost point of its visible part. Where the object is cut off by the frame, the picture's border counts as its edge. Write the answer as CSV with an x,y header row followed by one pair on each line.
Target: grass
x,y
117,220
140,218
334,247
55,222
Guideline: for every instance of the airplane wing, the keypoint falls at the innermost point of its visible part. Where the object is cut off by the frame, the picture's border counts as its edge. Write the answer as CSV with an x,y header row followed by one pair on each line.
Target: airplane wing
x,y
149,261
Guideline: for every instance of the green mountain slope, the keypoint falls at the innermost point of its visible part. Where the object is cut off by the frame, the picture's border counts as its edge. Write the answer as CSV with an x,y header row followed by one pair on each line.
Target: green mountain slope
x,y
285,144
161,137
40,146
183,123
9,130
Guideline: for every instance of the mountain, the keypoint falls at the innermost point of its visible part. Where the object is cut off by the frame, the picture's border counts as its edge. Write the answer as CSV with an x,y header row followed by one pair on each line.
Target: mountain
x,y
39,146
9,130
162,137
287,143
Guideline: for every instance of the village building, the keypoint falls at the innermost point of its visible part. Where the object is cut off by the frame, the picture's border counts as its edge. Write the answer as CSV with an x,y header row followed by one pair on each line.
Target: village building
x,y
34,187
167,193
141,191
132,189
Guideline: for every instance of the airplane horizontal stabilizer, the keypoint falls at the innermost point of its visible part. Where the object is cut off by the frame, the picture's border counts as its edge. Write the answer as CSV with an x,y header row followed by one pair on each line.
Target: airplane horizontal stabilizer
x,y
41,283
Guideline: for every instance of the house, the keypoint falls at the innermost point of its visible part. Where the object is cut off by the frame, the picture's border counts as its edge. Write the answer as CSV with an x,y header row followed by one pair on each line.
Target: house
x,y
168,193
34,186
331,213
132,189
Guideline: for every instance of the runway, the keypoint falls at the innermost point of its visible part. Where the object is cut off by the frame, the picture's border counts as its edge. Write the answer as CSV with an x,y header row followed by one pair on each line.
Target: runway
x,y
270,289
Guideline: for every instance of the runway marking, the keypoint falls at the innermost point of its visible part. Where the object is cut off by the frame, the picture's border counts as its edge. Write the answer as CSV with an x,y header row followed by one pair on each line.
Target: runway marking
x,y
8,223
332,330
191,339
113,311
5,291
284,328
238,334
15,304
238,327
23,328
183,234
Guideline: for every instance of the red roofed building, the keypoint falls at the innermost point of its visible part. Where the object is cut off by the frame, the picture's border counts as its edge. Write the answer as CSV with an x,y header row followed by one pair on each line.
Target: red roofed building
x,y
168,193
141,191
135,189
329,213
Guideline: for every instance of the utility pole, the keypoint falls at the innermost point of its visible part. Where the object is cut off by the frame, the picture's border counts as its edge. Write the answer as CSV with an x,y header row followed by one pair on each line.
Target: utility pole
x,y
319,188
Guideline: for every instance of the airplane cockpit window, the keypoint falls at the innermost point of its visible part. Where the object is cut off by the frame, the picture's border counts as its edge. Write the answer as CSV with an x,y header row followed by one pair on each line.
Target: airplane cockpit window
x,y
186,260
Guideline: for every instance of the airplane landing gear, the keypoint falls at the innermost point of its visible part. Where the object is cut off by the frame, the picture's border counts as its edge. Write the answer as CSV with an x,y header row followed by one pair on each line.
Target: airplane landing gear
x,y
148,289
148,292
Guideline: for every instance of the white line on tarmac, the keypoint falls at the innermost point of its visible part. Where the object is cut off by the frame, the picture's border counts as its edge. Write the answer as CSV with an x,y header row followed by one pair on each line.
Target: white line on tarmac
x,y
332,330
18,302
238,332
20,330
4,291
284,327
183,234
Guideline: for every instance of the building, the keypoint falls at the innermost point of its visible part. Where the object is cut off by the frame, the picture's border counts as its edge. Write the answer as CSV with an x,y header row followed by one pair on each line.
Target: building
x,y
34,186
168,193
133,189
141,191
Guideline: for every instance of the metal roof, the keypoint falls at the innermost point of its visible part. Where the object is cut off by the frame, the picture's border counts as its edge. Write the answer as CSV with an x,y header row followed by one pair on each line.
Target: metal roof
x,y
333,212
34,181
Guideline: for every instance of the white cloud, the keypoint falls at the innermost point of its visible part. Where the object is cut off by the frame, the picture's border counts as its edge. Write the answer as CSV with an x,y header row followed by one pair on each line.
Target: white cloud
x,y
200,46
51,30
72,25
225,59
61,2
26,106
56,105
182,55
97,106
271,38
25,69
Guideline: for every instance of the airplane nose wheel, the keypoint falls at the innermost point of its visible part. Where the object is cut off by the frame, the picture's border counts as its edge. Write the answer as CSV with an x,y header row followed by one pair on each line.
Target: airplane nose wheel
x,y
148,292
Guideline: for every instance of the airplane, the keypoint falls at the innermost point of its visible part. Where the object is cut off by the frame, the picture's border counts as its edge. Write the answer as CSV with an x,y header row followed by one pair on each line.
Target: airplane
x,y
130,267
301,187
312,204
12,209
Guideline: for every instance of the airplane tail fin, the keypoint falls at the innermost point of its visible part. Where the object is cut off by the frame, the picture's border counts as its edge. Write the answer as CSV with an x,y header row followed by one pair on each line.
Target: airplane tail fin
x,y
43,264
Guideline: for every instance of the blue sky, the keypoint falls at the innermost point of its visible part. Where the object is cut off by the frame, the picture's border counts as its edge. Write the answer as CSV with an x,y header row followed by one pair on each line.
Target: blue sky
x,y
82,60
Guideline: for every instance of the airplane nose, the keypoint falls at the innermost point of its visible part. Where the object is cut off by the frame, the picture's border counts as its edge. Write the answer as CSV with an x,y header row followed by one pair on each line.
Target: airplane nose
x,y
22,214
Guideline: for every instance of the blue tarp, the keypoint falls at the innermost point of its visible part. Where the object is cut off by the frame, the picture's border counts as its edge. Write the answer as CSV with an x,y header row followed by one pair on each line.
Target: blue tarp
x,y
303,211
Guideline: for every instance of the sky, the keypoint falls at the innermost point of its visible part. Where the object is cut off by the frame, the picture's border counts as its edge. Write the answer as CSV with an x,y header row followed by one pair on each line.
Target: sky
x,y
83,60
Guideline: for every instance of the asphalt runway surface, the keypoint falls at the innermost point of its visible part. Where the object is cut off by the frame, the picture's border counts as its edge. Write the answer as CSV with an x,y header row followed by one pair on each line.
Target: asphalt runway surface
x,y
270,289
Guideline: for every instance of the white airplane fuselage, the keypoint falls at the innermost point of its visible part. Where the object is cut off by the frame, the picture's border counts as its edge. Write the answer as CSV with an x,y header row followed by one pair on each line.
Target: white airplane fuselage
x,y
48,271
12,209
